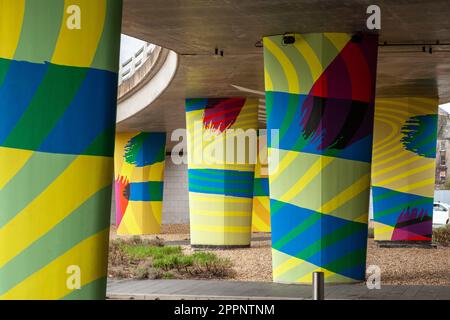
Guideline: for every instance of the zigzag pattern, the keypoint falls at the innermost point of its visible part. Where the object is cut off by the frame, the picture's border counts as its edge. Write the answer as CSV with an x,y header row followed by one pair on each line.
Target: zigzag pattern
x,y
57,120
320,93
139,174
220,191
403,168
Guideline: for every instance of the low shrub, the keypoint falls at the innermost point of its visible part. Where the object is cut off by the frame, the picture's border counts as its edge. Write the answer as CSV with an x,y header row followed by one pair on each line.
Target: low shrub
x,y
136,258
442,235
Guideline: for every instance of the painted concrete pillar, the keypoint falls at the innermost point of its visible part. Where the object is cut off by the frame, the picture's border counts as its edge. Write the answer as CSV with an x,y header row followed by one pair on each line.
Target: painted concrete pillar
x,y
58,91
261,200
320,96
403,168
220,170
139,177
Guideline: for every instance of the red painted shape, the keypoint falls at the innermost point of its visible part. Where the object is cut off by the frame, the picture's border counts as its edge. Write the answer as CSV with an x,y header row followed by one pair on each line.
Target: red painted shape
x,y
220,114
122,195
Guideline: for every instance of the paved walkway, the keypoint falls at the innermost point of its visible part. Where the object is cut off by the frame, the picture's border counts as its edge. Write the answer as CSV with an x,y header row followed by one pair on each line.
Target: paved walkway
x,y
215,289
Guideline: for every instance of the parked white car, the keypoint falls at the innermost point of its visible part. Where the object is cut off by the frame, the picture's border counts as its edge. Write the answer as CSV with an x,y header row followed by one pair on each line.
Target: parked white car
x,y
441,214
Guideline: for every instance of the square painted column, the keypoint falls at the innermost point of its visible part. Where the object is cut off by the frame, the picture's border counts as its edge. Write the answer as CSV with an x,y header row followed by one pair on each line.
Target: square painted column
x,y
403,168
320,97
221,171
58,93
139,182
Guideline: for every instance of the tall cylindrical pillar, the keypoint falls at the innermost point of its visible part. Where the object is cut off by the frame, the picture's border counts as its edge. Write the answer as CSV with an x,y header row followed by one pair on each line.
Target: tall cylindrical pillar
x,y
403,168
320,93
58,94
222,153
139,179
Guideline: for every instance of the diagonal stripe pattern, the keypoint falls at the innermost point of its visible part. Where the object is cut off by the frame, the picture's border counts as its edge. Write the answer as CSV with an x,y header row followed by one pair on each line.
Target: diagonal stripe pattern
x,y
320,96
261,199
139,177
58,90
403,168
220,185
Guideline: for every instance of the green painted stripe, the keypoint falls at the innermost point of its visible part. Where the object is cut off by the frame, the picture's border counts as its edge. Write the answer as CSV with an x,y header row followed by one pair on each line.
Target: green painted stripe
x,y
347,261
401,206
275,71
214,189
36,175
4,67
40,30
108,51
261,187
328,240
95,290
103,144
90,218
296,231
51,100
222,179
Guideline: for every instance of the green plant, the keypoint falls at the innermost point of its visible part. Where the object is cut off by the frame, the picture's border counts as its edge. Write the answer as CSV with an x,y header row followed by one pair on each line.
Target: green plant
x,y
370,233
442,235
140,259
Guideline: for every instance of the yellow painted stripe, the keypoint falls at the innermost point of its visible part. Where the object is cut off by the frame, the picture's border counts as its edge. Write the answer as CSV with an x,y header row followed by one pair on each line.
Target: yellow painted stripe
x,y
50,283
396,166
321,163
11,161
394,132
310,57
287,265
288,68
397,147
406,174
141,217
288,158
230,229
93,14
399,152
268,81
410,187
50,208
11,17
343,197
339,40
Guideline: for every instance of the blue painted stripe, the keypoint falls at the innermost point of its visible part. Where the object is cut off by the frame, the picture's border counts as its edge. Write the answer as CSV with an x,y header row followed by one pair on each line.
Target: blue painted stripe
x,y
261,187
17,91
146,191
92,112
226,182
195,104
388,204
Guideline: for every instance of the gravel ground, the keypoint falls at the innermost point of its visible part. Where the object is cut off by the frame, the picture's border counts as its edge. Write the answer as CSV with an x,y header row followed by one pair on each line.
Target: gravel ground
x,y
400,266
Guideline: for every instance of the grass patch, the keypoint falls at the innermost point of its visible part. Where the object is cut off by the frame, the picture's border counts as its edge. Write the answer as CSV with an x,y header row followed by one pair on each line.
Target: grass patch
x,y
141,259
442,235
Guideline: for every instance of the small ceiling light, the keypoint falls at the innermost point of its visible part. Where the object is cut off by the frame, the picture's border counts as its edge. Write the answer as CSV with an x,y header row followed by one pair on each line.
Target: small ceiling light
x,y
357,38
288,39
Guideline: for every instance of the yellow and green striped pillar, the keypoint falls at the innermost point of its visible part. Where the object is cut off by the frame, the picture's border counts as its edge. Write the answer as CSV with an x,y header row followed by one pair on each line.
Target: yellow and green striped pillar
x,y
139,177
403,168
58,88
221,185
320,94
